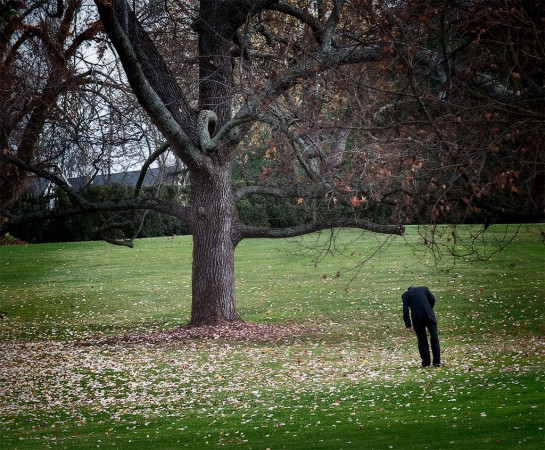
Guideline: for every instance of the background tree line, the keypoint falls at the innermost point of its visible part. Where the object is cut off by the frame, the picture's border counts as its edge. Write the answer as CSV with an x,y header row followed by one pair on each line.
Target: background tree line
x,y
90,227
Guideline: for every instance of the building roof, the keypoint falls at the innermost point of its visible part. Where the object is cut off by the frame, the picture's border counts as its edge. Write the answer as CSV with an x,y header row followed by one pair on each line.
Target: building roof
x,y
170,175
130,178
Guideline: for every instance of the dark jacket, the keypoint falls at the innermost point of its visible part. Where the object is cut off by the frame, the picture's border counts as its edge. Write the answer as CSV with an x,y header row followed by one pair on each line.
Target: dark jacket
x,y
421,302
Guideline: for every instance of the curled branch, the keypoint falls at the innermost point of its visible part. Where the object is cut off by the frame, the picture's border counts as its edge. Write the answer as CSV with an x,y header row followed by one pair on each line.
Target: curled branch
x,y
207,123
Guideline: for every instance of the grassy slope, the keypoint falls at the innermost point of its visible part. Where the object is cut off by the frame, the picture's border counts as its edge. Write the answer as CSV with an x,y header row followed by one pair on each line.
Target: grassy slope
x,y
353,384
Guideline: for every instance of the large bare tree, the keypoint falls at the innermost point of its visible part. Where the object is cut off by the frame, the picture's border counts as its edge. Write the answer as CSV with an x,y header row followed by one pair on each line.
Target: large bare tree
x,y
207,138
353,113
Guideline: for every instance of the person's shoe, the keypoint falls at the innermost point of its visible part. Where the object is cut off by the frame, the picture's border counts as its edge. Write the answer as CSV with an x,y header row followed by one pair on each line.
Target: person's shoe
x,y
437,365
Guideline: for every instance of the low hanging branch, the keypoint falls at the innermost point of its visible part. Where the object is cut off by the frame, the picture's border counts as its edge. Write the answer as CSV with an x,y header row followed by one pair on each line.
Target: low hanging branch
x,y
79,205
73,195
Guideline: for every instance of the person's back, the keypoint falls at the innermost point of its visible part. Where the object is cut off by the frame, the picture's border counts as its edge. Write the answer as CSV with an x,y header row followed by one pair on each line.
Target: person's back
x,y
420,301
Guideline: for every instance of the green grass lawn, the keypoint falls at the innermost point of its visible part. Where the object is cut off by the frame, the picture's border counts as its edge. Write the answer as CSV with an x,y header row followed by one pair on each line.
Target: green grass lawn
x,y
349,379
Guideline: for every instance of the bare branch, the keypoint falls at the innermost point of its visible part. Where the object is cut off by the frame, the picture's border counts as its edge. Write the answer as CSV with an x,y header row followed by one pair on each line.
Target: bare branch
x,y
243,231
156,90
259,190
158,152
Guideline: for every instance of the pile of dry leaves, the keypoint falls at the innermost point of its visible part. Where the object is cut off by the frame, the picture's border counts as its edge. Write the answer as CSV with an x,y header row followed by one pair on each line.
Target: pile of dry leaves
x,y
10,240
238,331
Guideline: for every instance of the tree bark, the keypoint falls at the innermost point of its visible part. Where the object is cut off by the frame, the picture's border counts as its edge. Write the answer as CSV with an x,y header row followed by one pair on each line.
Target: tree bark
x,y
213,281
215,65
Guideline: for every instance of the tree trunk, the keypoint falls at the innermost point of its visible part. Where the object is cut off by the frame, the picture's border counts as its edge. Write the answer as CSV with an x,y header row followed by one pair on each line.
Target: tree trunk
x,y
213,283
212,203
215,63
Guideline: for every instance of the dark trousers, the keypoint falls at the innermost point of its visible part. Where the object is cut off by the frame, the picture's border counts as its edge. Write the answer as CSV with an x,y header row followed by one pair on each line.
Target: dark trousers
x,y
423,347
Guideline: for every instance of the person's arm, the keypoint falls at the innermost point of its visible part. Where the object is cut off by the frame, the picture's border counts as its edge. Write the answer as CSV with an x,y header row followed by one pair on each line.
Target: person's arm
x,y
406,316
